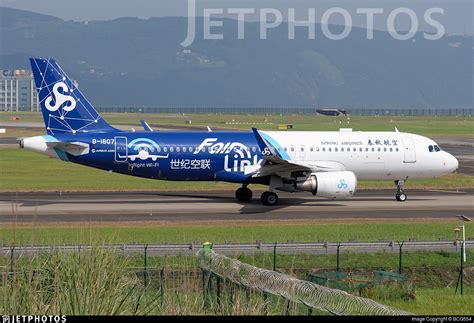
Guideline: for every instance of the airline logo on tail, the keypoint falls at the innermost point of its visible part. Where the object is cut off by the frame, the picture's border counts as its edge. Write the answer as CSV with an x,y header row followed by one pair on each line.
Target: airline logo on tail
x,y
60,98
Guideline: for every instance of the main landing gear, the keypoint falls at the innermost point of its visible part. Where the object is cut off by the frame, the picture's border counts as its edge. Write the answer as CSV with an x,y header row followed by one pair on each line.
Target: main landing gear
x,y
400,196
269,198
244,194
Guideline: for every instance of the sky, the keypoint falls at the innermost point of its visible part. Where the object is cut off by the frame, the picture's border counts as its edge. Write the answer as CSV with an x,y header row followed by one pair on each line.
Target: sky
x,y
457,19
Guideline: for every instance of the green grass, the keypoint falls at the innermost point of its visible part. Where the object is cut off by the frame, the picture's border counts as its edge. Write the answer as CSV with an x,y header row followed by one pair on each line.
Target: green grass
x,y
22,170
438,301
220,233
423,125
103,283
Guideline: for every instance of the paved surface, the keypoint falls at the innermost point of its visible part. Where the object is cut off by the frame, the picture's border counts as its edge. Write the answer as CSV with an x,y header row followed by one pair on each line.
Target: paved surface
x,y
221,206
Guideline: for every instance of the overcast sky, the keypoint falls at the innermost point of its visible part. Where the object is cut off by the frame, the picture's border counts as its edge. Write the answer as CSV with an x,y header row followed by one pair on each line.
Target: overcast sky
x,y
458,17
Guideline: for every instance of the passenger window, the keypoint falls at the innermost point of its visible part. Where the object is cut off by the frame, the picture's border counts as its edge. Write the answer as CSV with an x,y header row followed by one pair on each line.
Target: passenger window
x,y
184,149
191,149
158,149
391,149
396,149
330,149
342,148
165,149
286,149
430,148
254,149
385,149
302,148
203,149
373,149
178,149
366,148
378,149
354,149
324,149
311,149
360,149
171,149
335,149
317,148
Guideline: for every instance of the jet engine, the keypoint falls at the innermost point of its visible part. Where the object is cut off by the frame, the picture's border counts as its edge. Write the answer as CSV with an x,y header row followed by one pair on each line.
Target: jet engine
x,y
333,185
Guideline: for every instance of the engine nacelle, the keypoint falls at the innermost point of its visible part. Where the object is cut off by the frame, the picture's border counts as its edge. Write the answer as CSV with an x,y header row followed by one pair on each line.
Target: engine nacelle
x,y
333,185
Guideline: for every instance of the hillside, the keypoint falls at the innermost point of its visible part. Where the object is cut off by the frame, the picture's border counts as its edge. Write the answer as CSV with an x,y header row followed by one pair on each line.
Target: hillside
x,y
131,61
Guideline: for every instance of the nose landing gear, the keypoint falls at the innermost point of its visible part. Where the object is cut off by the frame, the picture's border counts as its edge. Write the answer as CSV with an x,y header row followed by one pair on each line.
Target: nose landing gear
x,y
400,196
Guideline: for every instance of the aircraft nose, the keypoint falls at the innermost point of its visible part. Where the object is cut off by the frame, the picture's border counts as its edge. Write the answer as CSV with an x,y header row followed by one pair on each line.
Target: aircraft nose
x,y
452,163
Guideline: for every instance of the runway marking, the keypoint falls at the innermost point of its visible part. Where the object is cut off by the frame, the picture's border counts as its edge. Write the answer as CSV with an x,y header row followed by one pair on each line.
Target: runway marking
x,y
446,191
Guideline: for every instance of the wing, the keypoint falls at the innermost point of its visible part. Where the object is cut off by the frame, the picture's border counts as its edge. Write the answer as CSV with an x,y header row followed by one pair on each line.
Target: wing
x,y
146,126
278,162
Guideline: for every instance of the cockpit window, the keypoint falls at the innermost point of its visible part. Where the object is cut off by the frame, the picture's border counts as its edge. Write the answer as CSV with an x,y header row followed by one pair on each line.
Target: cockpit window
x,y
436,147
430,148
433,148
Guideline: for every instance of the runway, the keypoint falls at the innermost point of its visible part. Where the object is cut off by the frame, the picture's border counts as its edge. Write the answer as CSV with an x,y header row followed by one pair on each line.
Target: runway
x,y
201,206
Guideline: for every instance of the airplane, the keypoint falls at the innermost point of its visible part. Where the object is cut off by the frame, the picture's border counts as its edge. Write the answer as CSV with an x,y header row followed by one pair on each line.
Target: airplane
x,y
325,163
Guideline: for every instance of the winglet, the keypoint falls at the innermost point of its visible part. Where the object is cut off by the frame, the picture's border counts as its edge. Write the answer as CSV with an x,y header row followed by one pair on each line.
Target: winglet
x,y
145,125
266,149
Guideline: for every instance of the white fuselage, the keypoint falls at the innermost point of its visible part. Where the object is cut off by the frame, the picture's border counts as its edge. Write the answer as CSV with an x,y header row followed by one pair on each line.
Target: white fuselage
x,y
370,155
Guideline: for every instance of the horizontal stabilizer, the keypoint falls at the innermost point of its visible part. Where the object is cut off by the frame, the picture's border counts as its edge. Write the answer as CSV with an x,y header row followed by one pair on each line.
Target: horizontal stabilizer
x,y
73,148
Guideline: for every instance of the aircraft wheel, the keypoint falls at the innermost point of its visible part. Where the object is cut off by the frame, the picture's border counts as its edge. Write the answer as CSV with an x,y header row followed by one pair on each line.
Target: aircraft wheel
x,y
401,197
269,198
243,194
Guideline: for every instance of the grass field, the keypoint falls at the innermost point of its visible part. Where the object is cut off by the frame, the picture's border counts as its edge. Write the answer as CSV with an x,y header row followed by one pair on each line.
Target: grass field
x,y
100,282
21,170
423,125
228,232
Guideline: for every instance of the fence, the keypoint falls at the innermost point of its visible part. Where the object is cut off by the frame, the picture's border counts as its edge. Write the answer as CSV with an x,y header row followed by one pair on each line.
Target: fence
x,y
260,280
310,294
250,248
402,111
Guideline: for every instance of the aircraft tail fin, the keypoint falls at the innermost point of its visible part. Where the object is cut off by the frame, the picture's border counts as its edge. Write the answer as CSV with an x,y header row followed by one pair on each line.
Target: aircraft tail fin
x,y
65,109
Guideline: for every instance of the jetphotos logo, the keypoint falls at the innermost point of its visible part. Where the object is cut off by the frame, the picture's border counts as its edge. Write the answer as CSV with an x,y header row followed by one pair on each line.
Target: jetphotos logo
x,y
271,18
33,319
58,99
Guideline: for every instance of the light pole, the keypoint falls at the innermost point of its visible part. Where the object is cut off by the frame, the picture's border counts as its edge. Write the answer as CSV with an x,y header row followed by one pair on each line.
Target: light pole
x,y
463,250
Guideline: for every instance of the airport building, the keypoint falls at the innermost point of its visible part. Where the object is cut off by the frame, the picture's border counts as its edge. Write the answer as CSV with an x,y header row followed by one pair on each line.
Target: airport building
x,y
17,91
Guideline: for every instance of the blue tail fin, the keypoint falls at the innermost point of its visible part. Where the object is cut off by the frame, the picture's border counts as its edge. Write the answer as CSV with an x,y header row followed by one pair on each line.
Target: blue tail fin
x,y
65,109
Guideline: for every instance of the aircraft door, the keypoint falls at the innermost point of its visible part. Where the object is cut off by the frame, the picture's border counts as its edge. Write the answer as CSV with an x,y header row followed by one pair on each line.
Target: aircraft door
x,y
409,151
121,151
